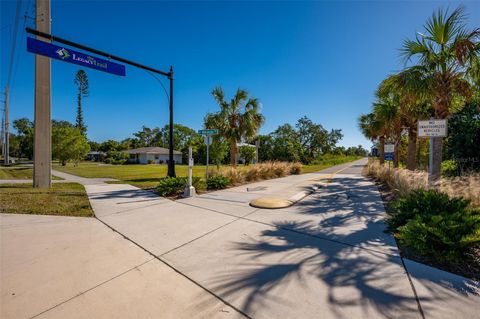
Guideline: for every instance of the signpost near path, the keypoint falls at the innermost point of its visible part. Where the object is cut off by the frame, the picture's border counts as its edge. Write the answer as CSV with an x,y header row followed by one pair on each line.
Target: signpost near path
x,y
208,140
44,51
433,129
389,152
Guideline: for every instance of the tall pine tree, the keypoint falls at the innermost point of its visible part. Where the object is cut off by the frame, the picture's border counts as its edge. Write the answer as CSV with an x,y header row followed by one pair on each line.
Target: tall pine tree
x,y
81,81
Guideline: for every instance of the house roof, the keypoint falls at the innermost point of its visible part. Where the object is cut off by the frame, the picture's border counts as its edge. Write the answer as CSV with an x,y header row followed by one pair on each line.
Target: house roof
x,y
151,150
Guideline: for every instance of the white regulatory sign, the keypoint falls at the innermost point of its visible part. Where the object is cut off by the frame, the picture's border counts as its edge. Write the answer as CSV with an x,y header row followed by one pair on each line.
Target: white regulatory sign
x,y
432,128
389,148
207,139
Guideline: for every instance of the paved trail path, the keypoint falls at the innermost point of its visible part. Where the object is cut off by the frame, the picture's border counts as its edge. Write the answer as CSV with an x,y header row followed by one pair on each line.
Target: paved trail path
x,y
216,256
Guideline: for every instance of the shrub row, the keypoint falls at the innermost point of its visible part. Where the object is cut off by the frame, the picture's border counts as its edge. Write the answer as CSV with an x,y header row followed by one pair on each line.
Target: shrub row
x,y
430,223
231,176
174,186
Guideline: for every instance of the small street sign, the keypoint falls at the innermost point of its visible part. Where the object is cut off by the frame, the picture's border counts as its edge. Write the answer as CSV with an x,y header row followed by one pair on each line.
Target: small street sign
x,y
71,56
389,156
432,128
389,148
207,139
208,132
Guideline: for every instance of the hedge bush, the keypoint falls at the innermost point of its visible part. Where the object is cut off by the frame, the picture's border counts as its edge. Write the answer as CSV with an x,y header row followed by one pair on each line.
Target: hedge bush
x,y
217,182
172,186
430,223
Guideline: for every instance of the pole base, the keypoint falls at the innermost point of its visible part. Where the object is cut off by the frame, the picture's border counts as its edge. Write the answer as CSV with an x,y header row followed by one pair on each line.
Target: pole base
x,y
189,192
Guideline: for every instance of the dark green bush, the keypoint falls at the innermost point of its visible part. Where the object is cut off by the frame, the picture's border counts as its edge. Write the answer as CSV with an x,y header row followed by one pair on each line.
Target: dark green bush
x,y
198,183
449,168
446,237
425,203
172,186
217,182
431,224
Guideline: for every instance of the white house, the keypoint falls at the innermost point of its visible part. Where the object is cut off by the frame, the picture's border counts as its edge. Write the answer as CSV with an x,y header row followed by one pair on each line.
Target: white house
x,y
152,155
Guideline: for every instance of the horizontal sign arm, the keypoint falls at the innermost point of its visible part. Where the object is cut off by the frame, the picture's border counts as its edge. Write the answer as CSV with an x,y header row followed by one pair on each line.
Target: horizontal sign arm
x,y
95,51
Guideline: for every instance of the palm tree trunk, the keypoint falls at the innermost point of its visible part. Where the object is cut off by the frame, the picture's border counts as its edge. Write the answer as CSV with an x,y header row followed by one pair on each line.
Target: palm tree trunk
x,y
233,153
381,151
437,158
411,149
395,153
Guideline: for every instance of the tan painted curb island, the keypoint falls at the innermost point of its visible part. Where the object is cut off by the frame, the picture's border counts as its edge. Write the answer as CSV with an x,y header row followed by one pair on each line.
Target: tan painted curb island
x,y
275,203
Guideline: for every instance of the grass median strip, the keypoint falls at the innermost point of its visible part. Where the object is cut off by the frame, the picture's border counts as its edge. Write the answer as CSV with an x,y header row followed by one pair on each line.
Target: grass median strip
x,y
18,172
63,199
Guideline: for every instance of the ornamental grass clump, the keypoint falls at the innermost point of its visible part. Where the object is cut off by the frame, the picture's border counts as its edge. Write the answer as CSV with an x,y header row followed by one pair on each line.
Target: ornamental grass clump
x,y
403,181
261,171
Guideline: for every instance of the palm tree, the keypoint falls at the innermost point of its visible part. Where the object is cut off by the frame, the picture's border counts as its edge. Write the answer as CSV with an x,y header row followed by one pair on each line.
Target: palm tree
x,y
444,56
371,128
238,119
81,81
387,112
412,108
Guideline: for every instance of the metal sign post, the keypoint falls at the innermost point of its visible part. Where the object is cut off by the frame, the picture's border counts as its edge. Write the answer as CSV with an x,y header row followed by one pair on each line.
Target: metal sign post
x,y
433,129
389,153
43,52
208,140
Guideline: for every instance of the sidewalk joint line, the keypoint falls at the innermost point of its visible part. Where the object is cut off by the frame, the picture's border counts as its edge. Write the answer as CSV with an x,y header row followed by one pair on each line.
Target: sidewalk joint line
x,y
94,287
176,270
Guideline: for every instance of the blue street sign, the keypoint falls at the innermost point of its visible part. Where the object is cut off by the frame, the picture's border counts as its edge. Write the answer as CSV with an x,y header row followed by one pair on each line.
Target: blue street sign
x,y
75,57
208,132
389,156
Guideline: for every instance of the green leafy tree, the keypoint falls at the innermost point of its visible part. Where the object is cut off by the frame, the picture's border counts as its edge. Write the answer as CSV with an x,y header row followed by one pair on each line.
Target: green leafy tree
x,y
81,81
148,137
248,153
183,138
444,58
286,144
68,144
464,137
313,138
110,146
265,147
373,129
24,137
237,120
218,150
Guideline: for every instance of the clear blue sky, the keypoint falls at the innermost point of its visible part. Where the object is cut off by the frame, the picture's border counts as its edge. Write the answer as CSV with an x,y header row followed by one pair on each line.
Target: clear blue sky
x,y
319,59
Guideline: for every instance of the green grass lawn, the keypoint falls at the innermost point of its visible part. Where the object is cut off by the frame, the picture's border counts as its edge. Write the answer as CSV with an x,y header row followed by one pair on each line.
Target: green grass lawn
x,y
19,172
63,199
148,176
143,176
16,172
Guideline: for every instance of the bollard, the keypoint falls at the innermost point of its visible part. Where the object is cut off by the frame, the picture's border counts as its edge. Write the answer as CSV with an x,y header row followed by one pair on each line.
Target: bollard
x,y
189,189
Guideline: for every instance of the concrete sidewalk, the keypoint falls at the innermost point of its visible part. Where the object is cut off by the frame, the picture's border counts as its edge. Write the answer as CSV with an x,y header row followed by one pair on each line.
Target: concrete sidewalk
x,y
214,255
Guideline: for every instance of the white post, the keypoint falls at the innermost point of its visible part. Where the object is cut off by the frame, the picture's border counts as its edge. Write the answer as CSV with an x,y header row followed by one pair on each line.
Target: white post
x,y
189,190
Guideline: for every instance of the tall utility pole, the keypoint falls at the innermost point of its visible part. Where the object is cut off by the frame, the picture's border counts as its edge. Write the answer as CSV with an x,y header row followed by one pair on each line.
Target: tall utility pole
x,y
6,135
171,162
42,149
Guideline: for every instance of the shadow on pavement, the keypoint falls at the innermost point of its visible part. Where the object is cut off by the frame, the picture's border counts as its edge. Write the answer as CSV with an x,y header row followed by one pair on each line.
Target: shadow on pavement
x,y
354,275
